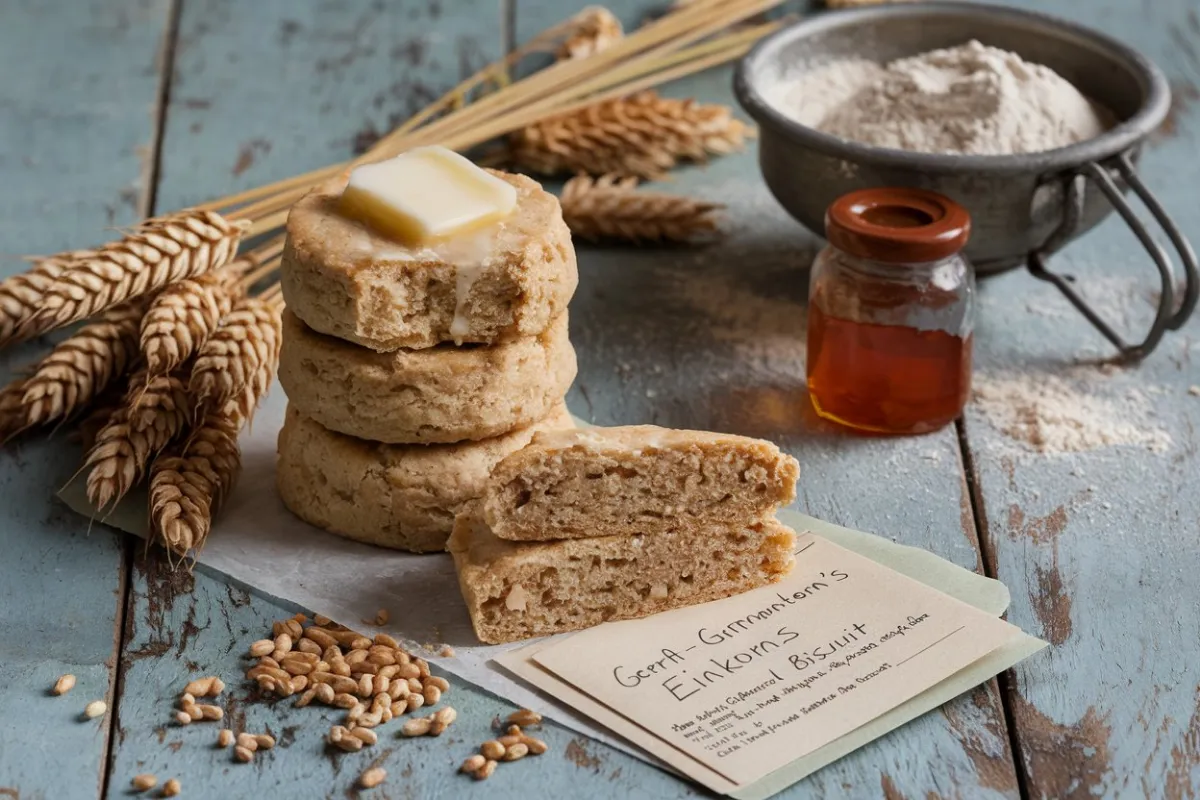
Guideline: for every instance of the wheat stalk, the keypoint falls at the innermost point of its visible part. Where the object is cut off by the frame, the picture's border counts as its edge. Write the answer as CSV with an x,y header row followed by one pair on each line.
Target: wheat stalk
x,y
644,136
159,252
248,338
21,295
590,31
609,208
155,412
81,366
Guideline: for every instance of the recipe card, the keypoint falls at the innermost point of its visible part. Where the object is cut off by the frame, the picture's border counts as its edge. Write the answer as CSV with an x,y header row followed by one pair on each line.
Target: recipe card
x,y
748,684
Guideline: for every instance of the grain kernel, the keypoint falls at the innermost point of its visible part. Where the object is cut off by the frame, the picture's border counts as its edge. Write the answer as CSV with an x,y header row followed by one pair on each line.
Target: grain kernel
x,y
440,683
472,763
224,737
367,735
203,687
415,685
183,718
372,777
216,687
321,619
422,668
446,715
264,741
525,718
186,700
293,628
386,641
417,727
509,741
516,752
409,671
94,709
321,637
247,741
299,683
414,702
64,684
306,698
355,657
485,772
356,712
325,693
536,746
283,642
210,712
366,686
513,730
382,616
492,749
340,667
243,754
308,646
144,781
432,695
171,788
359,642
350,744
336,733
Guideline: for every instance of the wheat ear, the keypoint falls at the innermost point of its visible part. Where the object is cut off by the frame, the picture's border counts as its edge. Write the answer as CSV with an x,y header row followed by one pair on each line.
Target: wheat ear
x,y
610,208
246,339
185,314
12,409
21,295
591,30
81,366
155,412
187,489
644,136
159,252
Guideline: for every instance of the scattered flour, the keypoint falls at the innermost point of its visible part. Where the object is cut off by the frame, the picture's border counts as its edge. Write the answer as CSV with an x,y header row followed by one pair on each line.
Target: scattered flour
x,y
971,99
1053,415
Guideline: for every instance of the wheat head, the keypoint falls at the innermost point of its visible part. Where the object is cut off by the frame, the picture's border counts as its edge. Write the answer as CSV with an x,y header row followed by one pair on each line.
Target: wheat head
x,y
246,340
12,409
153,415
21,295
185,314
591,30
159,252
642,136
610,208
82,365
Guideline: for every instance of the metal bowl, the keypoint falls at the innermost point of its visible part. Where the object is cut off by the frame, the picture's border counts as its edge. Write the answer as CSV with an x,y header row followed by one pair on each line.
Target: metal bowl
x,y
1023,207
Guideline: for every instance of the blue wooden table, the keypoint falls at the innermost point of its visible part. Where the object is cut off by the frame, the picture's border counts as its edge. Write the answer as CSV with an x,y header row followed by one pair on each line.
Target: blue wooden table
x,y
113,109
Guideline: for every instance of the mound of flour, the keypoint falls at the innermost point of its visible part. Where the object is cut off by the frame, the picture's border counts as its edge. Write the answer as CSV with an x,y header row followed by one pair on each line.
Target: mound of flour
x,y
972,99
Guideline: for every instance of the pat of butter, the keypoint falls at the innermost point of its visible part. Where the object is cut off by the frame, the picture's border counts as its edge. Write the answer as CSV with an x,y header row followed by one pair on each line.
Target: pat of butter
x,y
426,193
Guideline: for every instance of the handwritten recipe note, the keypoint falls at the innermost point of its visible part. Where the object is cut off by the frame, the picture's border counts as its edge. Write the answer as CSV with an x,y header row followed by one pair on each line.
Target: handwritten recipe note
x,y
748,684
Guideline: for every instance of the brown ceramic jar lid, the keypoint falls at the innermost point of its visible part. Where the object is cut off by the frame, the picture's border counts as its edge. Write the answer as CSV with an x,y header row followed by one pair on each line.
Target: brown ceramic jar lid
x,y
897,225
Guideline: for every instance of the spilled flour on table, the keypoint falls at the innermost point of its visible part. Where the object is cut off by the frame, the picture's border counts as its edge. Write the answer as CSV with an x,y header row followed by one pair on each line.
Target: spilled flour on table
x,y
1054,415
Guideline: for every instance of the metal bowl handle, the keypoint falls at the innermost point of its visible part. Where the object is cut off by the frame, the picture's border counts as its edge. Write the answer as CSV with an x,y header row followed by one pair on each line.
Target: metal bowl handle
x,y
1167,317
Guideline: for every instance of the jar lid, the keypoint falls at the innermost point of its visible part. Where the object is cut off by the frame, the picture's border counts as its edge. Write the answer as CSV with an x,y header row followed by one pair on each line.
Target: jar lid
x,y
897,225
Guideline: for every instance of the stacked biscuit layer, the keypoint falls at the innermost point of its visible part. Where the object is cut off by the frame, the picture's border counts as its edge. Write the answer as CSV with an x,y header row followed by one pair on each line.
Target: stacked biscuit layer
x,y
412,371
584,527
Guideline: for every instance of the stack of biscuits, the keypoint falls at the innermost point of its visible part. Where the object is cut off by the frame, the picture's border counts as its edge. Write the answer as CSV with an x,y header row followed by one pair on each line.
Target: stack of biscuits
x,y
411,371
589,526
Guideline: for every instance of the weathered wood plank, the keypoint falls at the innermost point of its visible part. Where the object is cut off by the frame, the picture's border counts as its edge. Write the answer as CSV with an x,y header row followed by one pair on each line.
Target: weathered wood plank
x,y
76,139
713,338
1099,547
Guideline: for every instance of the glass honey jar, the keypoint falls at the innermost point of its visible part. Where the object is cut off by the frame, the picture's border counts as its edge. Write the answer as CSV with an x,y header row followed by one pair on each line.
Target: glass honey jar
x,y
891,312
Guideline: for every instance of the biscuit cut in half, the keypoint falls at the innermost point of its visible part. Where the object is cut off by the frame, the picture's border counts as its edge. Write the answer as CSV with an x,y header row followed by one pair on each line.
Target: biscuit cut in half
x,y
399,496
439,395
518,590
635,479
501,282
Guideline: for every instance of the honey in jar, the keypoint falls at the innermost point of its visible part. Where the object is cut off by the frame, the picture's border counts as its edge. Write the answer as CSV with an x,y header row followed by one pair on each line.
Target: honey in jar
x,y
891,312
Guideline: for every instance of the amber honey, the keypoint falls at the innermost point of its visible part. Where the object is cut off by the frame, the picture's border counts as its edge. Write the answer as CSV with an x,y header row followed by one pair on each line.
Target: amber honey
x,y
886,378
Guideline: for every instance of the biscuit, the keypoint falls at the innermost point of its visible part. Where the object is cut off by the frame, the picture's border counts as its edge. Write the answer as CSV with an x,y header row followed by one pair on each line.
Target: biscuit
x,y
517,590
504,281
399,496
635,479
442,394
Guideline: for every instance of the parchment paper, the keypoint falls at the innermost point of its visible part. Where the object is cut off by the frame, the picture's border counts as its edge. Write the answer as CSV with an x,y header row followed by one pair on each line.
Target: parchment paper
x,y
257,542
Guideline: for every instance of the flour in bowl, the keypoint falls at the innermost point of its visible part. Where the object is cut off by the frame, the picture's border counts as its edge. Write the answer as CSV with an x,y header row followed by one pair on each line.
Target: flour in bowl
x,y
970,100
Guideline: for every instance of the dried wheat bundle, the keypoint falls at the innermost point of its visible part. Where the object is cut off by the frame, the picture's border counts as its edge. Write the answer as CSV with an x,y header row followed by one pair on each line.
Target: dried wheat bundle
x,y
591,31
185,314
81,366
21,295
156,411
160,252
644,136
610,208
248,338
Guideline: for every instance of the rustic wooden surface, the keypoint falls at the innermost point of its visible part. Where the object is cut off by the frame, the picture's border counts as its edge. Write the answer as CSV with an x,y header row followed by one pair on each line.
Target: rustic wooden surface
x,y
1099,549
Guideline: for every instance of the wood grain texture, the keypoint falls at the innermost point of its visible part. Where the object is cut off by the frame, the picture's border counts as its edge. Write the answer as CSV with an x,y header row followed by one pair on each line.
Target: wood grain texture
x,y
713,338
1099,548
76,136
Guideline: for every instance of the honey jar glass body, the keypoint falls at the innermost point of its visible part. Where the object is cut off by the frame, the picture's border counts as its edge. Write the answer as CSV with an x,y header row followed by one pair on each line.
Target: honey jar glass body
x,y
890,337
